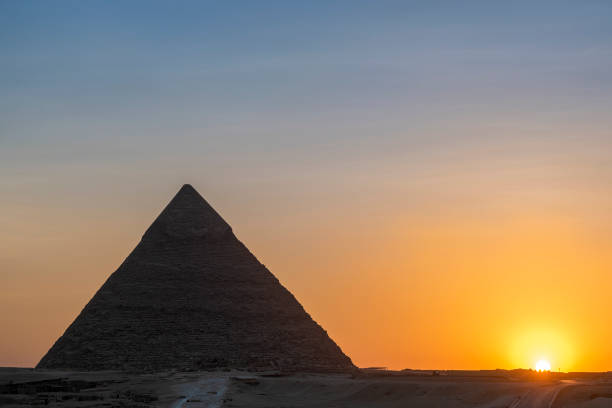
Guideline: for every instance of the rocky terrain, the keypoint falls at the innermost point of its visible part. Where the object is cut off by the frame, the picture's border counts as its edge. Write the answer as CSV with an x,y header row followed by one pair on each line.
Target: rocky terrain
x,y
236,389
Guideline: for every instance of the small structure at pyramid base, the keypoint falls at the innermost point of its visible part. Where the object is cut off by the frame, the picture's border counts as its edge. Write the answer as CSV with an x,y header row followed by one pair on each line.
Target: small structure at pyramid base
x,y
191,296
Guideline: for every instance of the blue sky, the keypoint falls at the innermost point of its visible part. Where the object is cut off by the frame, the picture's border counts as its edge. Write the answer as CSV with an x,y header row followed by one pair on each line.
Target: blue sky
x,y
108,82
191,66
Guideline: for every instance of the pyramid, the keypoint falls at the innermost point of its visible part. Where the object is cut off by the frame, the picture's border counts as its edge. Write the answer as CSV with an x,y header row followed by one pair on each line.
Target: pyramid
x,y
191,296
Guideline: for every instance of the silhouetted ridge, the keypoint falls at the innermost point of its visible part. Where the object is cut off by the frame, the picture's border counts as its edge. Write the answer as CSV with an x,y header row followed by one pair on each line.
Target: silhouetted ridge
x,y
191,296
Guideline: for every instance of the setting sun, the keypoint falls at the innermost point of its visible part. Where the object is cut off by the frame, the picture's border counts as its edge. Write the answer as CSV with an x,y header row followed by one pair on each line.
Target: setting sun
x,y
542,365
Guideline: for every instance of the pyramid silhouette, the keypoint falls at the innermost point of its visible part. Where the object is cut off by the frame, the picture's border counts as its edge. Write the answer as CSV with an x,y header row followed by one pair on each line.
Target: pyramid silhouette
x,y
191,296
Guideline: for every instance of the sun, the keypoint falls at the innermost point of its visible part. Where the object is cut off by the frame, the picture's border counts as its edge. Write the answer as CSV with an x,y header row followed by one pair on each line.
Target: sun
x,y
542,365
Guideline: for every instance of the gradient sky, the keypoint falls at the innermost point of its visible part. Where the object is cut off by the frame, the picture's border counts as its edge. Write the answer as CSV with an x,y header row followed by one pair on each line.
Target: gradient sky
x,y
432,180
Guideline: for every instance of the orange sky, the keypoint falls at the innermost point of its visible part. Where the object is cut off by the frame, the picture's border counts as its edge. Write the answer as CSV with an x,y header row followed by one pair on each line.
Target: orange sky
x,y
496,258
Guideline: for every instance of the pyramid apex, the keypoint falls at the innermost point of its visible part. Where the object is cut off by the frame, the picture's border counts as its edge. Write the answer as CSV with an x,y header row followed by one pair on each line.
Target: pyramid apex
x,y
187,214
187,189
187,193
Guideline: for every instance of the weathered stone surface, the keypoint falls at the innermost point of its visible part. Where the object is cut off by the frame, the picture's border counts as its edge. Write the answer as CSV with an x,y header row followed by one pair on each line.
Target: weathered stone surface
x,y
192,296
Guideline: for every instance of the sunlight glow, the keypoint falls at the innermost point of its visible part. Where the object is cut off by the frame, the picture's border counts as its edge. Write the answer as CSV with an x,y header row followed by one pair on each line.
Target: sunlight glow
x,y
551,343
542,365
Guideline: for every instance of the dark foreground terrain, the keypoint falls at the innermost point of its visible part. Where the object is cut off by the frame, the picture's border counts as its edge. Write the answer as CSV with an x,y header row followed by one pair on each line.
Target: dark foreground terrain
x,y
371,388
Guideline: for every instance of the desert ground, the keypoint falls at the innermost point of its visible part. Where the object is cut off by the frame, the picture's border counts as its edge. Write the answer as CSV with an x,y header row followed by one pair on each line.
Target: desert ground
x,y
367,388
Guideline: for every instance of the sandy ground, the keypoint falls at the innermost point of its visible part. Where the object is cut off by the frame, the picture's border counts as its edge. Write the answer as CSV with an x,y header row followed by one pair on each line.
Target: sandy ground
x,y
27,387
